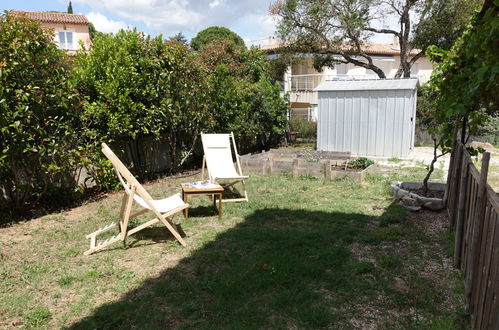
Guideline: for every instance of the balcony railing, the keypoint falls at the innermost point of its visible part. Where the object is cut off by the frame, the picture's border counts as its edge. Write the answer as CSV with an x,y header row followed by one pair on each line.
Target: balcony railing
x,y
307,82
308,114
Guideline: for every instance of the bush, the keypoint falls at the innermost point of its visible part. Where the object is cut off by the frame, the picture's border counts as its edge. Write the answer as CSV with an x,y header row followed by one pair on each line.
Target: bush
x,y
360,163
305,129
489,132
241,96
136,88
37,104
206,36
131,91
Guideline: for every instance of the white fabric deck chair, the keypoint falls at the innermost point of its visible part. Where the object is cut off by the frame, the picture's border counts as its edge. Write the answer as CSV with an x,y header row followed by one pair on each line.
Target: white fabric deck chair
x,y
163,209
218,160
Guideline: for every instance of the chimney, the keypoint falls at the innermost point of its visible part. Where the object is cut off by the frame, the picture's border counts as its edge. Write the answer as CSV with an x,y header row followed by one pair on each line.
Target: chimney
x,y
271,41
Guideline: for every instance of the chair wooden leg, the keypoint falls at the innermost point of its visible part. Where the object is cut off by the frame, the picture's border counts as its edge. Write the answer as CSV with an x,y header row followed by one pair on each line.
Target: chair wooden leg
x,y
126,214
202,168
245,193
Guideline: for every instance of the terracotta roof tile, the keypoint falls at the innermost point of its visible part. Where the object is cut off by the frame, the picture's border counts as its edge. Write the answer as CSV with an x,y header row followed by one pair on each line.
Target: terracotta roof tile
x,y
369,48
49,17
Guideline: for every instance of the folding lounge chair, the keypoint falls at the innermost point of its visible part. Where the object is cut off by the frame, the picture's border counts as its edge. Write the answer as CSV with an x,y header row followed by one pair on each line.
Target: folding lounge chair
x,y
163,209
218,160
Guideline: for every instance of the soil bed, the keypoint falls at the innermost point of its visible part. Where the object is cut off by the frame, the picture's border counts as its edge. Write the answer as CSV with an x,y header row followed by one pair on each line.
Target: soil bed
x,y
348,169
429,193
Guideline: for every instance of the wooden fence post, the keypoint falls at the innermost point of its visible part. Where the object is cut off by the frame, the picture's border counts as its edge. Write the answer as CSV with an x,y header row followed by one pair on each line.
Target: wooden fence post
x,y
327,169
295,168
473,256
462,202
268,166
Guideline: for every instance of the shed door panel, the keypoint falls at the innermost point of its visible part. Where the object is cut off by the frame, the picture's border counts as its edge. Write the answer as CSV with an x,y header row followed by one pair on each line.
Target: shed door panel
x,y
366,123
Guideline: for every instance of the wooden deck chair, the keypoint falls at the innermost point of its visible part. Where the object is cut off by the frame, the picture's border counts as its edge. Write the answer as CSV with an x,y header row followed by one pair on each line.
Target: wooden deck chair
x,y
163,209
219,163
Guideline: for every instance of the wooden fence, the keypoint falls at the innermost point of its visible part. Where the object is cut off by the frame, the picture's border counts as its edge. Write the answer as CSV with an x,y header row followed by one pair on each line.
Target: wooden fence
x,y
473,208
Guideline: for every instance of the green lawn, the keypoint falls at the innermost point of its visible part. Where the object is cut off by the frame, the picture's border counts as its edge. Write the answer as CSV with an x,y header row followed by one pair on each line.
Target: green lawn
x,y
303,253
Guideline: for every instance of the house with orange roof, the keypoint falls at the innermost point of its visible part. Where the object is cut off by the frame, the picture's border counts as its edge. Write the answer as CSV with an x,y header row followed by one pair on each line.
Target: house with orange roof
x,y
70,30
301,78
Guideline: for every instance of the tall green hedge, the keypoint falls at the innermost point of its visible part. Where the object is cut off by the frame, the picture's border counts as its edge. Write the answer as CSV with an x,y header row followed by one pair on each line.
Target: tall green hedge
x,y
129,88
37,106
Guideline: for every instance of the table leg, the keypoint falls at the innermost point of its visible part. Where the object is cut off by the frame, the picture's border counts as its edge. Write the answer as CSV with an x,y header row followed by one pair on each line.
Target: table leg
x,y
220,205
185,197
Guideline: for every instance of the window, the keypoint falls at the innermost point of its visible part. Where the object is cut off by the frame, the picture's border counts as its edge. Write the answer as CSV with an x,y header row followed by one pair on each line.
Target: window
x,y
66,40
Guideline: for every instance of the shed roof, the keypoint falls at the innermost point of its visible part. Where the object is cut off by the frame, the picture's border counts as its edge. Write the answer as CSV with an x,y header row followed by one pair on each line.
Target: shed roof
x,y
51,17
368,85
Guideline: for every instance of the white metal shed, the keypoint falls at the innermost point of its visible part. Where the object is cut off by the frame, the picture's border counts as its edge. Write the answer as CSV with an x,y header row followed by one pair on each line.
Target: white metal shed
x,y
367,117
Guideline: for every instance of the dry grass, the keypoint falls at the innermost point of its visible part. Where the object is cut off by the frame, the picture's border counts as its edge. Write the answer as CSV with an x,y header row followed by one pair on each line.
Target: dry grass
x,y
302,253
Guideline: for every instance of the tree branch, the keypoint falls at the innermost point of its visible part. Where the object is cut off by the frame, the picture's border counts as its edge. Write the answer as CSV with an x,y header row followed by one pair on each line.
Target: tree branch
x,y
385,31
416,57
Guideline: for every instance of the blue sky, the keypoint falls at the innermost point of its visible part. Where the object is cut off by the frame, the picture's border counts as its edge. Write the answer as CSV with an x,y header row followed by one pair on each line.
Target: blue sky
x,y
248,18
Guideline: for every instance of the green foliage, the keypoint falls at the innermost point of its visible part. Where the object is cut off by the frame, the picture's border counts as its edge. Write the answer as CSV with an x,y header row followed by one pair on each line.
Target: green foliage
x,y
70,8
443,22
130,91
241,96
180,37
489,131
305,129
92,31
360,163
37,317
464,81
212,33
462,91
134,86
278,67
37,104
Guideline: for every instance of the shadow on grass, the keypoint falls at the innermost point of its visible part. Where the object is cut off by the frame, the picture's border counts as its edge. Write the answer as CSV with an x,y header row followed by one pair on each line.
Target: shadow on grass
x,y
278,269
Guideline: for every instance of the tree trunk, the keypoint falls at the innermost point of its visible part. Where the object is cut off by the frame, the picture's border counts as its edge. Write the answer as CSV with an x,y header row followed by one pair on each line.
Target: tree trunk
x,y
463,129
486,5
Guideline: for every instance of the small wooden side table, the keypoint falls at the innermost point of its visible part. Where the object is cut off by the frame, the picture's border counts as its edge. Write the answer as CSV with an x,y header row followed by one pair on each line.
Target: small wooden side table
x,y
188,189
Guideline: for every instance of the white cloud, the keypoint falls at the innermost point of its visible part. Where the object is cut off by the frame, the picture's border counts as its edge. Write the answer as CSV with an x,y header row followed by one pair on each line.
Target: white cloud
x,y
104,24
214,3
264,27
247,17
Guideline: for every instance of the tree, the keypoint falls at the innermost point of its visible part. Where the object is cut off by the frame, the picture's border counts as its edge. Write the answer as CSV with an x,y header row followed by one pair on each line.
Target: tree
x,y
70,8
92,31
215,33
37,104
337,30
241,95
179,37
463,87
137,88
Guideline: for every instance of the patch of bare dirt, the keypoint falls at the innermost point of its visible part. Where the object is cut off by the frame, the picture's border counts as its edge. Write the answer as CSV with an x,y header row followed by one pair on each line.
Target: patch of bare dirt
x,y
346,169
429,193
429,260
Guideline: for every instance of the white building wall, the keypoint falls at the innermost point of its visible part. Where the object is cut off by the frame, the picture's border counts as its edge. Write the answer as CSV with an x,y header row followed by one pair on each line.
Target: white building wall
x,y
80,33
